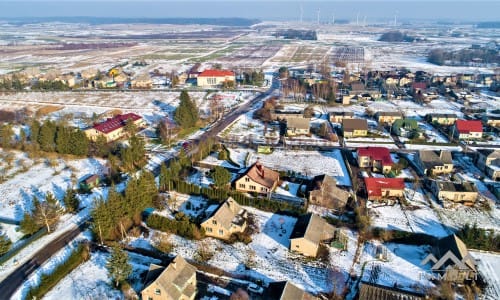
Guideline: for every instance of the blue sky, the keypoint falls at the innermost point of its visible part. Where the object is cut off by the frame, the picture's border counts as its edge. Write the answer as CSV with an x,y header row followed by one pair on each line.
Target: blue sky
x,y
450,10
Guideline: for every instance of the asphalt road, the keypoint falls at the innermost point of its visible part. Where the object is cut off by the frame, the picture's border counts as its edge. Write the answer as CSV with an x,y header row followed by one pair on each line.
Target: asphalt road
x,y
10,284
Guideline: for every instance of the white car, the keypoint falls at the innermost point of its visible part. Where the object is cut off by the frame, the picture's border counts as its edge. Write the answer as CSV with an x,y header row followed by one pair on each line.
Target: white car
x,y
252,287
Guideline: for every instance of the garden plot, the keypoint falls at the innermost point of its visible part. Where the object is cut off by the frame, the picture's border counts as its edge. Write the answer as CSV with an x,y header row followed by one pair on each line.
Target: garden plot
x,y
432,134
401,266
288,189
246,129
269,257
41,178
225,100
417,217
306,163
489,266
238,156
460,215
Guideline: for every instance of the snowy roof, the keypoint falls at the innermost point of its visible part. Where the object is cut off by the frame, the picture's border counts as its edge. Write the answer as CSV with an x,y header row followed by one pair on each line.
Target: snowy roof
x,y
302,123
116,122
430,159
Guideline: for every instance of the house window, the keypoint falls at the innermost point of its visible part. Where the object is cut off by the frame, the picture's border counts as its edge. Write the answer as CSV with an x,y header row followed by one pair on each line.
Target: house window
x,y
263,189
157,292
208,229
253,188
242,185
150,298
247,179
214,222
221,232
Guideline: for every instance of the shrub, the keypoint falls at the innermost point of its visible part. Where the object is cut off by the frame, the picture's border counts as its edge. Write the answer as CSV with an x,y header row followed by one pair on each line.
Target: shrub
x,y
48,281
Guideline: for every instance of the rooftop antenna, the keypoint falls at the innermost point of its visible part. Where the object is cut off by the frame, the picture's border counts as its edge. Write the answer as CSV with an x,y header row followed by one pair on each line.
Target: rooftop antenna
x,y
318,15
301,12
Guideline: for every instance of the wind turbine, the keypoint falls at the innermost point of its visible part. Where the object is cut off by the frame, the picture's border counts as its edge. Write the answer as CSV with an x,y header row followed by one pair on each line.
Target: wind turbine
x,y
396,18
357,19
318,15
333,18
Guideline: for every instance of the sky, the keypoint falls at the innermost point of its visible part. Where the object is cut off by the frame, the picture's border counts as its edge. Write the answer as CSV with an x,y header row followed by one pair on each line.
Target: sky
x,y
372,10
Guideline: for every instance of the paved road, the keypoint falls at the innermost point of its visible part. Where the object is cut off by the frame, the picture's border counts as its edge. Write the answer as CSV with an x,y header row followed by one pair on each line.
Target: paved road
x,y
10,284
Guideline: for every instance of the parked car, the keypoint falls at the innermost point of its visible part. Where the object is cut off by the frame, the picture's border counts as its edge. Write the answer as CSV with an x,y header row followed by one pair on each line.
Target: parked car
x,y
253,288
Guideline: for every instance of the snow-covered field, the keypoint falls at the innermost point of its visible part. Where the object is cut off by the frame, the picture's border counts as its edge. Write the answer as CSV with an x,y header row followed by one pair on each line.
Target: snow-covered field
x,y
489,267
401,267
307,163
269,257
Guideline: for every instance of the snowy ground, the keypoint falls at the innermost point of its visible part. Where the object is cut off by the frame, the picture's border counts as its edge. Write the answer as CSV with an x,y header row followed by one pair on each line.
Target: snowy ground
x,y
401,266
270,258
57,259
489,267
308,163
39,179
293,188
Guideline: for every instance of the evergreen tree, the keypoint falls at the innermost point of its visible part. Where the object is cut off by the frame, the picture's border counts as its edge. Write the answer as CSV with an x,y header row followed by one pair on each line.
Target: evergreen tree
x,y
71,201
186,114
46,213
5,244
118,266
63,140
6,134
79,143
28,225
35,130
221,176
47,135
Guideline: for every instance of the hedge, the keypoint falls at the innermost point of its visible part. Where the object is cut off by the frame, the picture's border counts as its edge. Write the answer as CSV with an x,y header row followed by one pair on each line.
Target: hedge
x,y
48,281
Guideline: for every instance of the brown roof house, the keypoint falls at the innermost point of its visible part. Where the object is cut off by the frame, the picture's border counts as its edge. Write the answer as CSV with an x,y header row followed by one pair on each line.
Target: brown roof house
x,y
430,163
455,191
354,127
175,282
388,116
338,116
450,260
258,179
227,219
285,290
307,234
297,126
323,191
488,160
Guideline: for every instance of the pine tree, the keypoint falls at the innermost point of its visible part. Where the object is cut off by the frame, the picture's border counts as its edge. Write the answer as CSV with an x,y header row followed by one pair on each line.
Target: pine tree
x,y
46,213
71,201
47,135
6,134
186,114
118,266
5,244
34,131
79,143
28,225
62,140
221,176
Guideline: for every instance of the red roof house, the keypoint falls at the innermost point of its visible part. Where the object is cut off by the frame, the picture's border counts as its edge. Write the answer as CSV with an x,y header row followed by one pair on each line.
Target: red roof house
x,y
116,122
466,129
216,73
384,188
213,78
377,158
112,128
